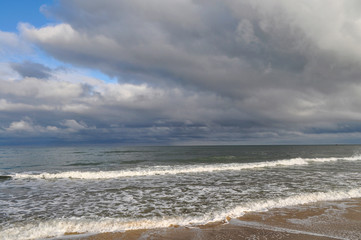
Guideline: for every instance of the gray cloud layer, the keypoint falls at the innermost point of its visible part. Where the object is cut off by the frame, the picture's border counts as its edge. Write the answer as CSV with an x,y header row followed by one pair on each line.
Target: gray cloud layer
x,y
196,71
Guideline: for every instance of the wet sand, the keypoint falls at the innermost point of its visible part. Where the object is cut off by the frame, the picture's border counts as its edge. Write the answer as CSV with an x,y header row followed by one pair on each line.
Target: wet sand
x,y
321,220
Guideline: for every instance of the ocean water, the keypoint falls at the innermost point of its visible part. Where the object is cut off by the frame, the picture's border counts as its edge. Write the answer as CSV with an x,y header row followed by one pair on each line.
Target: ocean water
x,y
46,192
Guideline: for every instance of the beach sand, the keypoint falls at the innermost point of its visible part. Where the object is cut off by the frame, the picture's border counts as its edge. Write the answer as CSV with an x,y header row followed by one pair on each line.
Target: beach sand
x,y
321,220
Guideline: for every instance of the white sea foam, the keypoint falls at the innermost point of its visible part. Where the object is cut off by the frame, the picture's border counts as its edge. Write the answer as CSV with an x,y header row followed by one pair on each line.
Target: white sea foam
x,y
172,170
294,200
58,227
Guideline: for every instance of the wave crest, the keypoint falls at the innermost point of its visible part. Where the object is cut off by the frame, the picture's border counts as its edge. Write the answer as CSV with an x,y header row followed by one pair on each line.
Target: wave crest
x,y
173,170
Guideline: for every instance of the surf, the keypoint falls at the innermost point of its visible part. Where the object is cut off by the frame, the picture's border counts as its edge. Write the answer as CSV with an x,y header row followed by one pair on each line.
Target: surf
x,y
179,169
59,227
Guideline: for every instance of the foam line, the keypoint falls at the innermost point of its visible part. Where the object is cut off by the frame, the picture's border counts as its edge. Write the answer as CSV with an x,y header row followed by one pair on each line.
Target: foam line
x,y
279,229
304,198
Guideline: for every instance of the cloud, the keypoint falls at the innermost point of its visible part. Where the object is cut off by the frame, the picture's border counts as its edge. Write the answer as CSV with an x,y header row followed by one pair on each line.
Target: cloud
x,y
219,46
225,71
74,126
11,44
31,69
140,113
21,126
26,125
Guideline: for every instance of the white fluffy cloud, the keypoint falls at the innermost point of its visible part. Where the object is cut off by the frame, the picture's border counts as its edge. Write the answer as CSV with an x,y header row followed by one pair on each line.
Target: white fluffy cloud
x,y
11,45
27,126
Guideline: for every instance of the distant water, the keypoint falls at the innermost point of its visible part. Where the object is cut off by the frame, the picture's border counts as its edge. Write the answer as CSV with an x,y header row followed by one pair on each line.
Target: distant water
x,y
46,192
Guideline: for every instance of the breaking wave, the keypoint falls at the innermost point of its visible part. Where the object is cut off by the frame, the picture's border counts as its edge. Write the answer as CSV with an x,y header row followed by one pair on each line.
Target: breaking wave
x,y
172,170
59,227
5,177
178,169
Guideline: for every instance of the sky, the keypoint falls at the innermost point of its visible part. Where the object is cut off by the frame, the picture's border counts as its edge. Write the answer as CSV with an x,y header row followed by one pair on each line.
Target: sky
x,y
181,72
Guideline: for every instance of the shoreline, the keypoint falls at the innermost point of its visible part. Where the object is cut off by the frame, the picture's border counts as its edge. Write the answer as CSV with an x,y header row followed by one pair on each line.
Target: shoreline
x,y
320,220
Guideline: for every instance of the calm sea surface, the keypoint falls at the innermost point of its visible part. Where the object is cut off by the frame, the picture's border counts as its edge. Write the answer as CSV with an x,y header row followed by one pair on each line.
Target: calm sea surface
x,y
46,192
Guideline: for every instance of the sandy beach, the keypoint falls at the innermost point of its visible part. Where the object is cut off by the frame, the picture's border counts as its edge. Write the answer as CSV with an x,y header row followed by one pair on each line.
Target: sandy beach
x,y
321,220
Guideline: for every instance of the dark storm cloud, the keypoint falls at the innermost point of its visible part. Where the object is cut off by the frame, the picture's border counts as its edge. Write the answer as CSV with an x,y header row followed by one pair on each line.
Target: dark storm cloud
x,y
193,71
203,43
31,69
229,47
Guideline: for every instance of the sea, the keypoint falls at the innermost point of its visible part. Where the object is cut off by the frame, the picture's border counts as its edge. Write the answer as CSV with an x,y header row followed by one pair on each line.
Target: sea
x,y
46,192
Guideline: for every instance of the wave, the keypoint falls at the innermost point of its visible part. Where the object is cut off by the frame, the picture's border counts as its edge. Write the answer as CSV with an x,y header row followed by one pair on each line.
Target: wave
x,y
5,177
59,227
294,200
178,169
83,164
